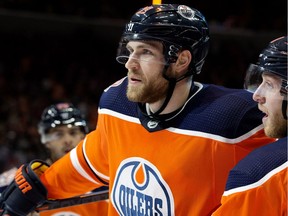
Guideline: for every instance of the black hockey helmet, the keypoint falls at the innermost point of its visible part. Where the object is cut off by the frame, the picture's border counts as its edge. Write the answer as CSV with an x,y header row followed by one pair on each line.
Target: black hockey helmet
x,y
61,114
273,59
178,27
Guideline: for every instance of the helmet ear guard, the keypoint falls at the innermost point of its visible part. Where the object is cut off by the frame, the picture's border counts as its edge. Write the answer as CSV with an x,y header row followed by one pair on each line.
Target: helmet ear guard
x,y
172,53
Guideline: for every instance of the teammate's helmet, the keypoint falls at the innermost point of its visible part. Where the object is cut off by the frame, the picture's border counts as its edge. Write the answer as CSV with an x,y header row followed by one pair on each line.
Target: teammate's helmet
x,y
61,114
272,59
178,27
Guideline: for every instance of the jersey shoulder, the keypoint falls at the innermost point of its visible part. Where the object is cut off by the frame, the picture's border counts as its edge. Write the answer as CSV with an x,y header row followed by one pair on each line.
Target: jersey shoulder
x,y
257,164
222,111
114,98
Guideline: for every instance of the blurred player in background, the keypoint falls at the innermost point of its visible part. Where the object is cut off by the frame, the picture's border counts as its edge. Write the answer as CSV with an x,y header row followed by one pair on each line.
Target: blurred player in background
x,y
61,128
163,142
257,185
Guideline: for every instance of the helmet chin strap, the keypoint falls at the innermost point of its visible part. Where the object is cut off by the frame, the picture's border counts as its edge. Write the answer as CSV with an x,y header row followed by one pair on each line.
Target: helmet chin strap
x,y
284,107
171,87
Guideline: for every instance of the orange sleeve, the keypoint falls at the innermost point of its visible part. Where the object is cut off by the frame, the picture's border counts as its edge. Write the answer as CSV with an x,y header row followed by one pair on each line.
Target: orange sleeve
x,y
76,176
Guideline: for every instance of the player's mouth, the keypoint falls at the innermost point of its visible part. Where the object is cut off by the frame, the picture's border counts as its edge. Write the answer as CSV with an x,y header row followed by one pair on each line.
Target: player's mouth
x,y
134,80
265,117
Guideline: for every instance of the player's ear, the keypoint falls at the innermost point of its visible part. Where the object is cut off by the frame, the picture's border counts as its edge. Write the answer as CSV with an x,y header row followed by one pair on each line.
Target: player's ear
x,y
183,61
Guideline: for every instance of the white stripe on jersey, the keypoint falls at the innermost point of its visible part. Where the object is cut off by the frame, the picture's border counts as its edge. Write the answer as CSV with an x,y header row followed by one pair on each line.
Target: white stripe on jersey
x,y
187,132
76,164
101,175
216,137
258,183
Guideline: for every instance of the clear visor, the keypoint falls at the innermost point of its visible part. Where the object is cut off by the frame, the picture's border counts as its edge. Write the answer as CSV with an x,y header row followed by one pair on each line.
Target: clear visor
x,y
141,55
253,79
123,59
57,135
45,138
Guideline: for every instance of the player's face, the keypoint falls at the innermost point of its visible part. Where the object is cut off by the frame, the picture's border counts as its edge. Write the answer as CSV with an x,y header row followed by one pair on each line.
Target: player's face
x,y
145,65
270,102
64,139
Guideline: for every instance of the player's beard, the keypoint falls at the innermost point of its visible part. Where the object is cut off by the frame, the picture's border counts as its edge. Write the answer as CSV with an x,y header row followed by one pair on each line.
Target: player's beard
x,y
276,126
148,91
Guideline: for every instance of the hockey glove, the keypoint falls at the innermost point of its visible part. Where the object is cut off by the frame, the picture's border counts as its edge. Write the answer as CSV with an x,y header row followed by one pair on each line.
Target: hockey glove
x,y
26,191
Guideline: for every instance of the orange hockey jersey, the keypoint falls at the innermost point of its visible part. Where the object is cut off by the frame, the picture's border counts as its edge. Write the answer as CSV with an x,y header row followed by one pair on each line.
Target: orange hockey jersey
x,y
258,184
176,164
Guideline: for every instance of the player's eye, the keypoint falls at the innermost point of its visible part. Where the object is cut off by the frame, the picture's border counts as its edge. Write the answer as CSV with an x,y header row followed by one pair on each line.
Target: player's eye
x,y
74,132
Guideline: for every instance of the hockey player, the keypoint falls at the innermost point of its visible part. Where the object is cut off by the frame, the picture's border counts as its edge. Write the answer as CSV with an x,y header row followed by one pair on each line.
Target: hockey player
x,y
257,185
61,128
164,143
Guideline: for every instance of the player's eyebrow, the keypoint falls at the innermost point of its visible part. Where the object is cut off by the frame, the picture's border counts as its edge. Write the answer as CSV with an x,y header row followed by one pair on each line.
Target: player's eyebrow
x,y
147,44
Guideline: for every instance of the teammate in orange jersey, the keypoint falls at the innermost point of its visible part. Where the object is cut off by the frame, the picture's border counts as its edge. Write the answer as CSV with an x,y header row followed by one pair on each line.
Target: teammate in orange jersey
x,y
257,185
164,143
62,127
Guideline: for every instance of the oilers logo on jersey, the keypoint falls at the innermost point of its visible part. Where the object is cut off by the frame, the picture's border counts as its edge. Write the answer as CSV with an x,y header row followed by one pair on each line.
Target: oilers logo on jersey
x,y
134,190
